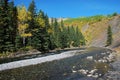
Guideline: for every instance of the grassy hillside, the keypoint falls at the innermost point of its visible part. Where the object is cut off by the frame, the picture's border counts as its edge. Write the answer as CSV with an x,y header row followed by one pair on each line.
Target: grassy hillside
x,y
81,21
94,28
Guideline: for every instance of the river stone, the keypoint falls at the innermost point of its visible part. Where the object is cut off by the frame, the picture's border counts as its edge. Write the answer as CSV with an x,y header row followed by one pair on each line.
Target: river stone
x,y
83,71
90,58
112,75
103,53
116,65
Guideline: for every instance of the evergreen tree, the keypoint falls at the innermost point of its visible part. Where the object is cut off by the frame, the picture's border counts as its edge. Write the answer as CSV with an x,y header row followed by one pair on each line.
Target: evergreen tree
x,y
64,38
40,33
63,35
47,33
109,36
57,34
31,22
7,42
52,37
77,37
36,39
13,22
44,32
1,26
82,40
32,12
115,14
18,42
72,36
6,28
69,38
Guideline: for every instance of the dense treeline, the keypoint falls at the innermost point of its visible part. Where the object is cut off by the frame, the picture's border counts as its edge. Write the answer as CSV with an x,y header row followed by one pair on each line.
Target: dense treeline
x,y
63,37
25,29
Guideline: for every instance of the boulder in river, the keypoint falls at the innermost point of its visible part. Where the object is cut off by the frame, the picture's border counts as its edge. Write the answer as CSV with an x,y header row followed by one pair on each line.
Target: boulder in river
x,y
83,71
90,58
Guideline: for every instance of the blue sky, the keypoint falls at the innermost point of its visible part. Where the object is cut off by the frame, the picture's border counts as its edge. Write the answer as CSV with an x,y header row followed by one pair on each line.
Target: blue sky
x,y
74,8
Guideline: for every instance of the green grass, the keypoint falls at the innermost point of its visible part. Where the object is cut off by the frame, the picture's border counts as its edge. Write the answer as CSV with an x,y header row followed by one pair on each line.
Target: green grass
x,y
86,19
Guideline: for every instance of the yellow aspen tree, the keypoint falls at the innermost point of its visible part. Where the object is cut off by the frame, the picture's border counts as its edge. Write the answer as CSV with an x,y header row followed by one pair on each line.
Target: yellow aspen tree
x,y
23,17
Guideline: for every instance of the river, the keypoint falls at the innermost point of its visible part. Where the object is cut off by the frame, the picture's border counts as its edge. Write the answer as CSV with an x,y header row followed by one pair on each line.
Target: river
x,y
66,66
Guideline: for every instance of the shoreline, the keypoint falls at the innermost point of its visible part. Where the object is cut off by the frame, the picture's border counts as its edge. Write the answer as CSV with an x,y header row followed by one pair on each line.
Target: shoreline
x,y
34,61
36,52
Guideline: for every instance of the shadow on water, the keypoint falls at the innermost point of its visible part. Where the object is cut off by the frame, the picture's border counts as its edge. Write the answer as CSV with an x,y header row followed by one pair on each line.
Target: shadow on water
x,y
64,69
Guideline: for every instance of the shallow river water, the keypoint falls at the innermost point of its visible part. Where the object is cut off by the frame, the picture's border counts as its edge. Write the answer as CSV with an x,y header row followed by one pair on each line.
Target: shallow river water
x,y
63,69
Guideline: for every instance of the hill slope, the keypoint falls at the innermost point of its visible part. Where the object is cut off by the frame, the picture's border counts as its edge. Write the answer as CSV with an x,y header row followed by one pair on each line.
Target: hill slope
x,y
95,29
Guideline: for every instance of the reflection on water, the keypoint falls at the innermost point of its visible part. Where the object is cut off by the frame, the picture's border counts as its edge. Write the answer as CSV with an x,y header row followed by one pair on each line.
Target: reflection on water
x,y
64,69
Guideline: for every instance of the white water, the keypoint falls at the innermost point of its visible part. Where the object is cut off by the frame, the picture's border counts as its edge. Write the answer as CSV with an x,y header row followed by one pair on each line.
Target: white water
x,y
34,61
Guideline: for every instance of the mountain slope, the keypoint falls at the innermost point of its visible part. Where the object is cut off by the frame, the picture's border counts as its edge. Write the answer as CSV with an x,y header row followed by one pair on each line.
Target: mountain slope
x,y
115,24
95,29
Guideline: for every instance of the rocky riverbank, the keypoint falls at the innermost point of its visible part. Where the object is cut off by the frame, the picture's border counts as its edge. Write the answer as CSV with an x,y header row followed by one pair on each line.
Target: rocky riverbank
x,y
113,74
101,66
109,64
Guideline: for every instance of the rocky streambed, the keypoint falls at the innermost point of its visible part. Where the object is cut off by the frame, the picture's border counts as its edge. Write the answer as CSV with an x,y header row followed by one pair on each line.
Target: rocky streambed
x,y
114,73
90,64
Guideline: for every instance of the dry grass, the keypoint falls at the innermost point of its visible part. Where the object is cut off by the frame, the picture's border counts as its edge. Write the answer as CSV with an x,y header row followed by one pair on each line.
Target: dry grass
x,y
96,31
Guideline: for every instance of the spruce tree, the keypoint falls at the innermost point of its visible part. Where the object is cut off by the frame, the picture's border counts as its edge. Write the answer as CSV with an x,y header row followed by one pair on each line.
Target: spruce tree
x,y
77,37
40,33
63,35
32,23
36,39
57,34
69,38
1,26
82,40
109,36
47,33
64,38
32,11
52,37
13,22
6,28
72,36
